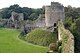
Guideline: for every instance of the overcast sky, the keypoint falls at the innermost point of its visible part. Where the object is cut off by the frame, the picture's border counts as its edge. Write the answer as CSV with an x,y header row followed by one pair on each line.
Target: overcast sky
x,y
37,3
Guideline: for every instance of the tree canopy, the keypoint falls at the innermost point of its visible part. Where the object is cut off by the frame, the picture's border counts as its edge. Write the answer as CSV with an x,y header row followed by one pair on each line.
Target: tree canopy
x,y
72,22
28,12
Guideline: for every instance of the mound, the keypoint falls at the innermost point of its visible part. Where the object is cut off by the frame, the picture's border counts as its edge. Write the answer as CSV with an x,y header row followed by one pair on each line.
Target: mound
x,y
41,37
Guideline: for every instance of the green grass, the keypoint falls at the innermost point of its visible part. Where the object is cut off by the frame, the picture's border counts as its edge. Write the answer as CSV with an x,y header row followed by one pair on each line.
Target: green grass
x,y
41,37
10,43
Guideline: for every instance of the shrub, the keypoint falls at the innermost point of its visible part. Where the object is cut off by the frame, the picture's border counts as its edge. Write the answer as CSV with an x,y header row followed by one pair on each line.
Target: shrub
x,y
60,49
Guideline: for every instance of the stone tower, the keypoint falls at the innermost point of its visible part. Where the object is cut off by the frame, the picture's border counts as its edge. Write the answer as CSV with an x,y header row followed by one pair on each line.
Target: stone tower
x,y
53,13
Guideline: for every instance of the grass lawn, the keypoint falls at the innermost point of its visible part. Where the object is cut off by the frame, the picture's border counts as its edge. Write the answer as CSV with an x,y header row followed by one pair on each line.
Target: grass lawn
x,y
10,43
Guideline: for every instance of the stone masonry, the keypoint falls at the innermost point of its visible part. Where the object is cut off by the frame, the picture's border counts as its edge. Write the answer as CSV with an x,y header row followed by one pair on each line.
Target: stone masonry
x,y
16,16
66,37
53,13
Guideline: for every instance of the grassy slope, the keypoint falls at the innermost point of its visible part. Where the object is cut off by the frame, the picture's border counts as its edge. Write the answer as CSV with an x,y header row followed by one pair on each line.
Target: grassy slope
x,y
41,37
9,43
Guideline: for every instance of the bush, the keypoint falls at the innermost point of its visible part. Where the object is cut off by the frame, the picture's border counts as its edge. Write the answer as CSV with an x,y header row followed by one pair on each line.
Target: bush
x,y
41,37
59,43
60,49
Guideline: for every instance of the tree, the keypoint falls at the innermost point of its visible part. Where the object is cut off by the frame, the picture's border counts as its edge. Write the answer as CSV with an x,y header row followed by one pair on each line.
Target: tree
x,y
33,16
72,12
68,22
15,8
5,13
28,12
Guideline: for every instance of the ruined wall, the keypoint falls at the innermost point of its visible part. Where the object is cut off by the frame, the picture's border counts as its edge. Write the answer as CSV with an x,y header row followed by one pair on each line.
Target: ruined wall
x,y
16,16
21,16
67,39
53,13
48,15
40,22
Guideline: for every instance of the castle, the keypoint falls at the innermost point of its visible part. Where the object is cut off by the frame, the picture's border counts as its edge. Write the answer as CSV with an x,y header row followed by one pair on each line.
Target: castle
x,y
49,21
53,13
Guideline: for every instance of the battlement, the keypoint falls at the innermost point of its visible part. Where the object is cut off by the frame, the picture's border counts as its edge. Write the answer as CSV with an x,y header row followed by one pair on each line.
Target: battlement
x,y
56,4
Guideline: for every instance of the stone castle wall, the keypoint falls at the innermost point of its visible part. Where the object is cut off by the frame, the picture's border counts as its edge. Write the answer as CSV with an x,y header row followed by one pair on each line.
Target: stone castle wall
x,y
67,39
15,16
53,13
40,22
47,15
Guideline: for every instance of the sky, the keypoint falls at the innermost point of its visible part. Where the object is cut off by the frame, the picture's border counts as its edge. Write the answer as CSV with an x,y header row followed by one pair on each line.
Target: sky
x,y
37,3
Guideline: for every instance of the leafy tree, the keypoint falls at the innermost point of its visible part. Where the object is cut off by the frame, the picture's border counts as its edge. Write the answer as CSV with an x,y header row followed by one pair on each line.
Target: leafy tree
x,y
5,13
15,8
28,12
74,26
33,16
68,22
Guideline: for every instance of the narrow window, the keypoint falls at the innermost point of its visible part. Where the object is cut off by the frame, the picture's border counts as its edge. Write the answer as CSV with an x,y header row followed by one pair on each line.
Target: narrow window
x,y
54,24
